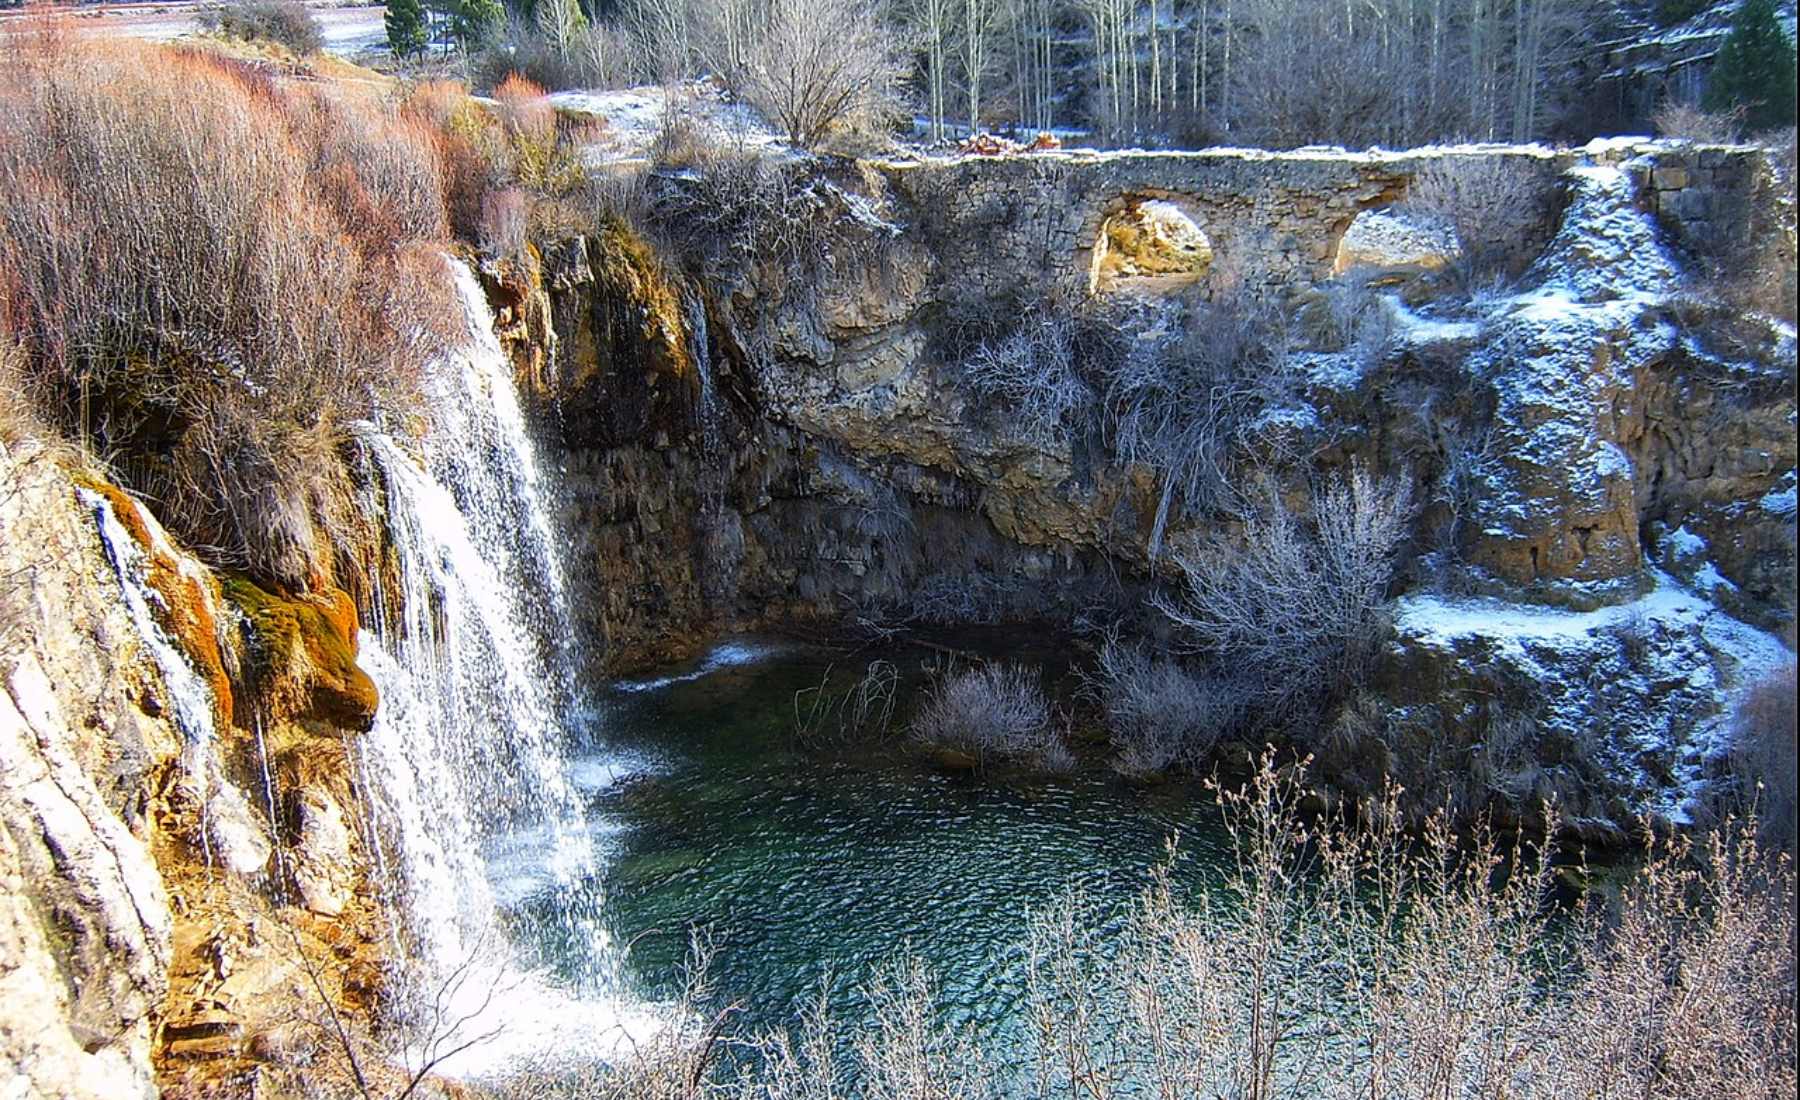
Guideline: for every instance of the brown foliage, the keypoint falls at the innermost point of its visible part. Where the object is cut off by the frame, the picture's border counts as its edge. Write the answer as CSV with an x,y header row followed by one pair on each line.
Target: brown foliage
x,y
209,273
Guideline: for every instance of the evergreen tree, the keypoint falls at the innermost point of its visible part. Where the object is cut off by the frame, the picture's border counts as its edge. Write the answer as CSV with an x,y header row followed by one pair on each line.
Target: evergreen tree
x,y
1754,69
474,21
407,32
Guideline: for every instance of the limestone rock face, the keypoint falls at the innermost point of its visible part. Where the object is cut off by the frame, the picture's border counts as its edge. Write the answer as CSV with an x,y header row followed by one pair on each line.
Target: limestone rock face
x,y
303,654
746,440
1613,713
84,920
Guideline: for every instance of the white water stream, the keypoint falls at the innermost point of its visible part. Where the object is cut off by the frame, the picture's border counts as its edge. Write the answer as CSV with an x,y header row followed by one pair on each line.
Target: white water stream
x,y
466,769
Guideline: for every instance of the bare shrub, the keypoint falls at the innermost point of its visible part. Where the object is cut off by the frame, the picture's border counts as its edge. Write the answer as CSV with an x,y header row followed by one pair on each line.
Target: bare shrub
x,y
1686,986
505,217
1180,404
1031,374
683,139
1763,754
1291,603
1506,760
210,275
815,66
1161,715
1686,122
745,210
1339,957
1487,203
287,22
996,711
1347,314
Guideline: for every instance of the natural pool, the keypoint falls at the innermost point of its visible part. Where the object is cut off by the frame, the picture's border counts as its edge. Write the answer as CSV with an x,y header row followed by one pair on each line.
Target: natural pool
x,y
808,858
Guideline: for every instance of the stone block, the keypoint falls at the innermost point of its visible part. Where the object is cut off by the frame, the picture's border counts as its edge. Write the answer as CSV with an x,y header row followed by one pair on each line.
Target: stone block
x,y
1669,179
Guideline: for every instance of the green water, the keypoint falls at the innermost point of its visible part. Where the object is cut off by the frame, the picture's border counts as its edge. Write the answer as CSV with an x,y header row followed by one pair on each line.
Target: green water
x,y
806,859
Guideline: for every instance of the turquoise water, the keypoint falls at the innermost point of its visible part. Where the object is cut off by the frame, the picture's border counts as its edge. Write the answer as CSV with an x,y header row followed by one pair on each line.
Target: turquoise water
x,y
808,858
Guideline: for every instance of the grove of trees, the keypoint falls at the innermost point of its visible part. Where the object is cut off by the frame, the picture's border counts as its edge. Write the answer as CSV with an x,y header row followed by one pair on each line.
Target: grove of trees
x,y
1274,73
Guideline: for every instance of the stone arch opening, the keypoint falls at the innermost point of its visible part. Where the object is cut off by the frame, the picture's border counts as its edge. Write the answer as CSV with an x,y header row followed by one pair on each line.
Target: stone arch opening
x,y
1149,245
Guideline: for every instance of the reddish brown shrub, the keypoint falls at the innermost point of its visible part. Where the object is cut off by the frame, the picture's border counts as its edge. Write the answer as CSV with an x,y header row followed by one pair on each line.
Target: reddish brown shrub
x,y
505,218
524,109
209,272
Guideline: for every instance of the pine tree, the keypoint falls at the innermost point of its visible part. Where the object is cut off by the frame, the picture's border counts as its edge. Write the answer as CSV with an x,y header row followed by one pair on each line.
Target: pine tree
x,y
407,33
1754,69
473,21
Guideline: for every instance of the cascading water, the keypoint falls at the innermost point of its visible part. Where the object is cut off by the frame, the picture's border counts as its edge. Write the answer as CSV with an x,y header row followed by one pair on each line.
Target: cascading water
x,y
466,767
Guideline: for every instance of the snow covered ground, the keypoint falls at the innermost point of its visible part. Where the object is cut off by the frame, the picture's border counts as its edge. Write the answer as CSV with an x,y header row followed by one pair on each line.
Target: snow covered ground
x,y
347,30
634,116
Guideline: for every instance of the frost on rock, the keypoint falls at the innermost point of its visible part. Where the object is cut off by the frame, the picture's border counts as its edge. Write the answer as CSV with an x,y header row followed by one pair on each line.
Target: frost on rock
x,y
1780,502
1557,512
1646,688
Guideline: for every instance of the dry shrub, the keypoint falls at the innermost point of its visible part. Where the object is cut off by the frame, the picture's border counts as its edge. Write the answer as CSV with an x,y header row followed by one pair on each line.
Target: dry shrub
x,y
996,711
287,22
1336,957
505,217
1159,714
1346,314
1763,754
524,109
210,274
470,148
1030,374
1295,604
1686,122
1489,204
1181,404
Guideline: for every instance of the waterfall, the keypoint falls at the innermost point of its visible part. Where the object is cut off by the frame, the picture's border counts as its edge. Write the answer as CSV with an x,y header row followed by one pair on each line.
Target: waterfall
x,y
466,766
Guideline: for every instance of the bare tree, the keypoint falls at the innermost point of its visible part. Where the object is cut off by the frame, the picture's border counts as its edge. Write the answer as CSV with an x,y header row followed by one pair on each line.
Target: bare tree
x,y
818,64
931,23
981,25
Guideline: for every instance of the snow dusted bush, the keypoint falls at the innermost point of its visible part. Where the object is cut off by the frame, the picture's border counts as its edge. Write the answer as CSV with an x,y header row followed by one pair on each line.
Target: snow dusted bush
x,y
1161,715
1347,315
1179,405
1295,603
994,711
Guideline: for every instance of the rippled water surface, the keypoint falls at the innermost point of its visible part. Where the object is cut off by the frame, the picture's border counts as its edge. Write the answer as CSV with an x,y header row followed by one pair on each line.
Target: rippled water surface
x,y
803,859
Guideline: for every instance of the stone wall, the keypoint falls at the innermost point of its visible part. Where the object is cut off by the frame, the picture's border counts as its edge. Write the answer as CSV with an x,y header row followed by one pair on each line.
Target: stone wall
x,y
999,226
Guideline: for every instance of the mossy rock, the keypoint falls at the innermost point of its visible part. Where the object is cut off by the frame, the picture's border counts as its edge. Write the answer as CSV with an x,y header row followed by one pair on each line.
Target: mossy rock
x,y
646,307
304,654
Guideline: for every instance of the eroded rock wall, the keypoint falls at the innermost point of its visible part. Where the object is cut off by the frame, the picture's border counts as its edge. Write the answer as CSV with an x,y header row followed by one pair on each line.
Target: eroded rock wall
x,y
174,797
